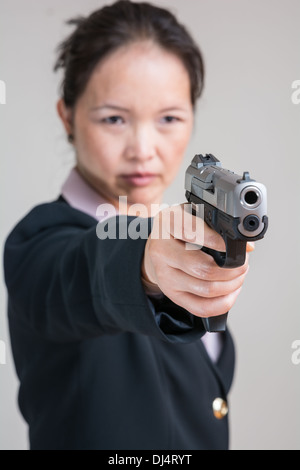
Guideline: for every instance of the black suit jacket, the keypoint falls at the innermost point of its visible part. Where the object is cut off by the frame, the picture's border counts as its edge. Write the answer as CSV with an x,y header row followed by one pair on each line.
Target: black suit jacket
x,y
99,367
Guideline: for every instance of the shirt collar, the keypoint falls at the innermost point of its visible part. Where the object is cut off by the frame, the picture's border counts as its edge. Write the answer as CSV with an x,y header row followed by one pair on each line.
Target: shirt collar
x,y
80,195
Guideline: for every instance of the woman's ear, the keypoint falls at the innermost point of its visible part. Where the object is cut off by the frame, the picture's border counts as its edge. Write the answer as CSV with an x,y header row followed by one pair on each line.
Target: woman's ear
x,y
65,115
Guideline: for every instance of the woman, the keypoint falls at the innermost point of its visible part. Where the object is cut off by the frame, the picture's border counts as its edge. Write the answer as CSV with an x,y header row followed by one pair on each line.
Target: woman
x,y
107,333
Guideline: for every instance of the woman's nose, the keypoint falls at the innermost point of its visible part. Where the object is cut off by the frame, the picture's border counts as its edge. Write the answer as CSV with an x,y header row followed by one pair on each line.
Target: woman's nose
x,y
141,144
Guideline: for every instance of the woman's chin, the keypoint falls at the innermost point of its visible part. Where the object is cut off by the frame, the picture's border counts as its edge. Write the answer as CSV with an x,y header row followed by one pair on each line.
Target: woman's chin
x,y
146,196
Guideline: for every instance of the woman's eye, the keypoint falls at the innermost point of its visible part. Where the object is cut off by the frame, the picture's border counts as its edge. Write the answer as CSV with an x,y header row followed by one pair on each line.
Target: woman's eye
x,y
169,119
113,120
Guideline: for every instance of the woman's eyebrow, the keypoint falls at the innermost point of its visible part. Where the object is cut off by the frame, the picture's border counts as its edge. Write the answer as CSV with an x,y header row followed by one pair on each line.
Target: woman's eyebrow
x,y
114,107
109,106
173,108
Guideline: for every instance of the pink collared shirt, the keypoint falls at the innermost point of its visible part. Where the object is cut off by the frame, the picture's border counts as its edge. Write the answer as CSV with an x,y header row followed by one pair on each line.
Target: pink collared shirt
x,y
80,195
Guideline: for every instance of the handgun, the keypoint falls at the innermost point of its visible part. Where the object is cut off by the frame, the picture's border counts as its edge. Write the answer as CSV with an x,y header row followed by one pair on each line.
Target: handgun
x,y
234,206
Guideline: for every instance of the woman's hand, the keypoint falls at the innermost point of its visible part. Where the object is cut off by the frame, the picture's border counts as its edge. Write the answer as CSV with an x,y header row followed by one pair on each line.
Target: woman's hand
x,y
190,277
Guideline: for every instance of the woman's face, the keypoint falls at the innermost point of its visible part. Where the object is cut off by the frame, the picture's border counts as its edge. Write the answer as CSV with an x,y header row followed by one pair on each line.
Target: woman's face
x,y
132,124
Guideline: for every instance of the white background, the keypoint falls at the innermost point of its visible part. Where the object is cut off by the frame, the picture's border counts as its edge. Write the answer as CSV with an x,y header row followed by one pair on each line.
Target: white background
x,y
246,118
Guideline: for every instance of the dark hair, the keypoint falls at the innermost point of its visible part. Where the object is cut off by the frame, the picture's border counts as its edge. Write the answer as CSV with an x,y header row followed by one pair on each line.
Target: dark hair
x,y
114,26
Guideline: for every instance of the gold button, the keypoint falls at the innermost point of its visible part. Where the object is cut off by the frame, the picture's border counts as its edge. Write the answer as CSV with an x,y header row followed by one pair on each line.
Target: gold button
x,y
220,408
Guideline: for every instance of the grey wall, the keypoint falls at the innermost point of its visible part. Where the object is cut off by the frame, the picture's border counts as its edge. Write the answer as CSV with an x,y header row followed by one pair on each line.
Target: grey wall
x,y
246,118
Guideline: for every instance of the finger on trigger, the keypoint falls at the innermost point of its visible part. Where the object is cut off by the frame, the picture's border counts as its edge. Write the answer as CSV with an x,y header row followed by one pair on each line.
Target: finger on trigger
x,y
250,247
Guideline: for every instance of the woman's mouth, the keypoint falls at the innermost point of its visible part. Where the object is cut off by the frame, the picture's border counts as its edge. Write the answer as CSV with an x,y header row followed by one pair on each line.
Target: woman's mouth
x,y
139,179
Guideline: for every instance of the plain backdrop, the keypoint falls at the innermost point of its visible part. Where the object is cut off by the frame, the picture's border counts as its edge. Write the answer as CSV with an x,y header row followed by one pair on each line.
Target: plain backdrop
x,y
246,118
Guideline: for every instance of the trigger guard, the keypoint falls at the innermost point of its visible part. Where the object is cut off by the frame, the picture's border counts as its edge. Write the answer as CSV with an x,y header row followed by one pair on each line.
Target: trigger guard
x,y
234,257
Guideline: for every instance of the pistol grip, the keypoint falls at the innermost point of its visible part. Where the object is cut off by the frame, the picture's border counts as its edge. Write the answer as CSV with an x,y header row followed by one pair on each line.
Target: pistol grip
x,y
234,257
215,324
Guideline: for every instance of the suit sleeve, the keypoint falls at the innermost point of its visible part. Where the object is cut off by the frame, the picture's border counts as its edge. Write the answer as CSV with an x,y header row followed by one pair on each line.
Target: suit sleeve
x,y
66,284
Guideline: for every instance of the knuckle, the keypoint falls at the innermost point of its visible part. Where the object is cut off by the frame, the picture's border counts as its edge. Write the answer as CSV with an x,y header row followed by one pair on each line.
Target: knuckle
x,y
190,264
209,289
209,271
205,270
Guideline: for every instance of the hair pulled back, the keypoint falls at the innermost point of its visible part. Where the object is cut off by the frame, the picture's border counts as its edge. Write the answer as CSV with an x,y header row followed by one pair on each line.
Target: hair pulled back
x,y
114,26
